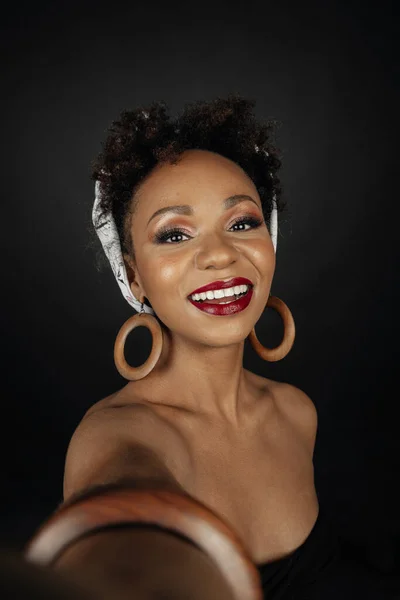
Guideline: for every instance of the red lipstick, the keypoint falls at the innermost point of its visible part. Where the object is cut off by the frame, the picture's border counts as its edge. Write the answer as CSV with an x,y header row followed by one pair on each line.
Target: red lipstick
x,y
229,308
222,285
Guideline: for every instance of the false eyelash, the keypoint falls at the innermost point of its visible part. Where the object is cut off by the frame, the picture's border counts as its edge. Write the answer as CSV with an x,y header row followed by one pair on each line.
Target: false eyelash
x,y
165,232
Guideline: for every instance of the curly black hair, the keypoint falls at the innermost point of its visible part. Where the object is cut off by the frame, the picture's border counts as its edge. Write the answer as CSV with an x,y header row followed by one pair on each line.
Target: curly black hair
x,y
145,136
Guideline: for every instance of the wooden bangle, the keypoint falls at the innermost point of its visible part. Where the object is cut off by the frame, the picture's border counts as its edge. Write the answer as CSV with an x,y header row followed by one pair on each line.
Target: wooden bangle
x,y
177,513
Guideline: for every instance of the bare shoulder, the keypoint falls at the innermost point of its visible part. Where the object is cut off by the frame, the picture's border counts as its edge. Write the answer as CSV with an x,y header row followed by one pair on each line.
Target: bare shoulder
x,y
117,399
298,402
124,415
298,408
118,431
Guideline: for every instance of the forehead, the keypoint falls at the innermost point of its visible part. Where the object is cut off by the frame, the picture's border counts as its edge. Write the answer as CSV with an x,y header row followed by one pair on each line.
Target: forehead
x,y
197,171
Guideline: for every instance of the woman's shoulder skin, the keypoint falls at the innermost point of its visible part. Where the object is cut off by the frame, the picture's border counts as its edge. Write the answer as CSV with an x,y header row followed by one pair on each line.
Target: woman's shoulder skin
x,y
293,403
300,409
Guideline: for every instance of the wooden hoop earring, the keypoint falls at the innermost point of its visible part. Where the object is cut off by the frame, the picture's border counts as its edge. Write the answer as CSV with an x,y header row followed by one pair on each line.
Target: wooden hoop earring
x,y
136,373
275,354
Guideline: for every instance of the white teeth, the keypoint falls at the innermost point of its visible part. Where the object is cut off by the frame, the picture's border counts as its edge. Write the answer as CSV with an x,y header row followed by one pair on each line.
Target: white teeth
x,y
215,294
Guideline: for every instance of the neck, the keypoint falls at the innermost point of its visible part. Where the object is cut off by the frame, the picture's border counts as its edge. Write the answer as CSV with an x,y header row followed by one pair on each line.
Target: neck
x,y
202,379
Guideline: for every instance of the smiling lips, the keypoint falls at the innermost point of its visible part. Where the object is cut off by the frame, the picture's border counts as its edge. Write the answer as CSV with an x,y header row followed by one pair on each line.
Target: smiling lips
x,y
223,285
223,297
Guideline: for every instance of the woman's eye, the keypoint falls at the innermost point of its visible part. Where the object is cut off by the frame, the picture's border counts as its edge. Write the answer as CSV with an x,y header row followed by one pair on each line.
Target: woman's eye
x,y
165,234
254,222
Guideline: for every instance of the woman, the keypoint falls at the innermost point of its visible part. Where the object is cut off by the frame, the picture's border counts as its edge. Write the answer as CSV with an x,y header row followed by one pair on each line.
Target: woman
x,y
193,202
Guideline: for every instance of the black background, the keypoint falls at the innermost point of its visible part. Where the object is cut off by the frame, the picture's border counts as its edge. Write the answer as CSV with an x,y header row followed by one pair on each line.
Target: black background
x,y
328,71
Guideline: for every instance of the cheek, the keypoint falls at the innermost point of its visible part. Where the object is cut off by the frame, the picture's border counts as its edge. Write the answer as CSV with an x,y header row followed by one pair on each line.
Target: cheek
x,y
164,276
261,253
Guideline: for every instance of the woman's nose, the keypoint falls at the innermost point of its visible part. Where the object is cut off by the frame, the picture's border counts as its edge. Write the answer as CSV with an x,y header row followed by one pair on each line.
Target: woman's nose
x,y
216,251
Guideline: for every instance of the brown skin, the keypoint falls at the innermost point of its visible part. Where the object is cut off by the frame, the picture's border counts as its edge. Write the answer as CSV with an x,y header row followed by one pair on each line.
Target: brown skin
x,y
232,425
203,352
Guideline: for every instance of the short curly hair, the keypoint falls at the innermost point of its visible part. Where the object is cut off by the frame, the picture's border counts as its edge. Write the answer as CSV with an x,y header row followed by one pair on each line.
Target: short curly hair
x,y
146,136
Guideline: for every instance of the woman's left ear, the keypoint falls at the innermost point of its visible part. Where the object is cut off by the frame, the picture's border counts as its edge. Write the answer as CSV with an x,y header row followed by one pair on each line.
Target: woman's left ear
x,y
133,277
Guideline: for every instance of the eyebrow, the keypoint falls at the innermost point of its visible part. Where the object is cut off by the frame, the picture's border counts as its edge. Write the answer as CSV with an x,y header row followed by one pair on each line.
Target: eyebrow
x,y
185,209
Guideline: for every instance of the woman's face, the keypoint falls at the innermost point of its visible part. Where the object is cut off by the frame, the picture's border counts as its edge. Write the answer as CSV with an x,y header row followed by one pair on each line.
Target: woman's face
x,y
209,246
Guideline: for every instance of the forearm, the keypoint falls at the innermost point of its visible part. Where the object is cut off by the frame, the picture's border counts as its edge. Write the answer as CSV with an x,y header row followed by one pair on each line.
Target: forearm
x,y
146,544
142,563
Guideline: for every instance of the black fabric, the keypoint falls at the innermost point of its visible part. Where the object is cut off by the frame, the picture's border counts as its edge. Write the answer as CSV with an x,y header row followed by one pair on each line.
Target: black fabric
x,y
305,571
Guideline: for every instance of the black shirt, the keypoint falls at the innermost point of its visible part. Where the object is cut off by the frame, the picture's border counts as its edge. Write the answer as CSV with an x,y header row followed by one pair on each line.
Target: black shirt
x,y
300,575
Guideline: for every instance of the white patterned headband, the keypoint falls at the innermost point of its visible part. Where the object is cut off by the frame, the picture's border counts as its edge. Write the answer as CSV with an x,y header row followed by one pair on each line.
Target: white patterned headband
x,y
109,238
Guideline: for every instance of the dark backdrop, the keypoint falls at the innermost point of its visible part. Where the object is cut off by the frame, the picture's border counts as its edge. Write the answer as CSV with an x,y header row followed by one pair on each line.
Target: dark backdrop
x,y
328,71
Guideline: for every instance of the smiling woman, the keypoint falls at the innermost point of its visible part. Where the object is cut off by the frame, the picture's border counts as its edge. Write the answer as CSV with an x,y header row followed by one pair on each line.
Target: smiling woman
x,y
186,211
